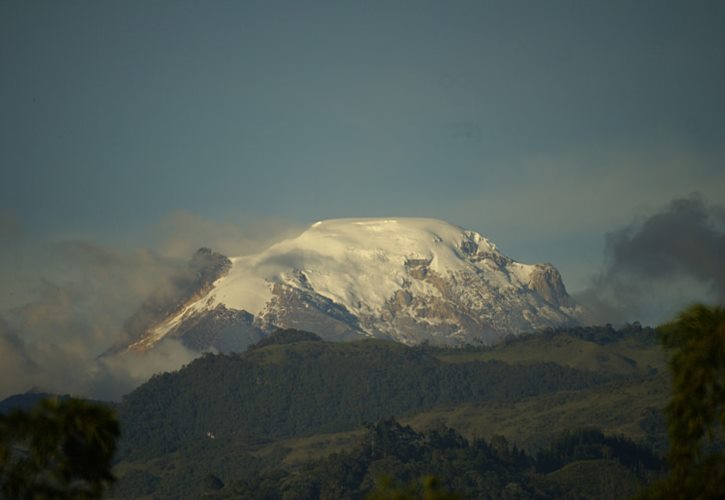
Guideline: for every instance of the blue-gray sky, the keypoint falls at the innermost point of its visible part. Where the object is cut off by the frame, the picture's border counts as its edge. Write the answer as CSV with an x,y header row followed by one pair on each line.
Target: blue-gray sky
x,y
542,125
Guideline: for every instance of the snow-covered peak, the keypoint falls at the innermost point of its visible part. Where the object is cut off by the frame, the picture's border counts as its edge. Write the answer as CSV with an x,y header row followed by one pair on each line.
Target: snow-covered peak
x,y
410,279
387,242
358,263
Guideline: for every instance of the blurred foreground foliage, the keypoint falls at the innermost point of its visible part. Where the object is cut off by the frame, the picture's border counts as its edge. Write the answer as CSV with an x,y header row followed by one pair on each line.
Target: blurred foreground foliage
x,y
61,448
696,411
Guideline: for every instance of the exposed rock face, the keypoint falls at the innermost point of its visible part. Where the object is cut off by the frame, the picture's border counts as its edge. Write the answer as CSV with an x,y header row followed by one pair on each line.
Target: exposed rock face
x,y
546,280
303,309
411,280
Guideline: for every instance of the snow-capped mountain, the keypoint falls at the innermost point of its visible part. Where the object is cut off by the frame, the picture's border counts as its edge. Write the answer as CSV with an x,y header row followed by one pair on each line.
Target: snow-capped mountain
x,y
408,279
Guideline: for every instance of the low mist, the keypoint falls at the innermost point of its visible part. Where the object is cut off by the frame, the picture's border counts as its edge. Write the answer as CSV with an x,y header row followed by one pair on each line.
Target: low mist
x,y
63,304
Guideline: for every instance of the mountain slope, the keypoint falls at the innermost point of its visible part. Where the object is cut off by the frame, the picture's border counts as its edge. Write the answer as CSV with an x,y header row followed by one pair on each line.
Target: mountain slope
x,y
407,279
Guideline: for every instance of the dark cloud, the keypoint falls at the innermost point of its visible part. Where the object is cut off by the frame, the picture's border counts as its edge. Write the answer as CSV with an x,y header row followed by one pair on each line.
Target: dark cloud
x,y
657,265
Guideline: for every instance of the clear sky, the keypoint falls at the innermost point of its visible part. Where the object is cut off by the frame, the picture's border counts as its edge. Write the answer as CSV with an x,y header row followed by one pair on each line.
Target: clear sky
x,y
542,125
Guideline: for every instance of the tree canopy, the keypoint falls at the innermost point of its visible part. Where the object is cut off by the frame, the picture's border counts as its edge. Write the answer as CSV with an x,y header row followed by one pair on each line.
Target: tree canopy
x,y
696,411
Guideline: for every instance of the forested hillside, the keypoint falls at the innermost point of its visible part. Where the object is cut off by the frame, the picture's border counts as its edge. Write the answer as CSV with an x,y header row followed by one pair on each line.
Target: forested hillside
x,y
287,403
308,387
396,454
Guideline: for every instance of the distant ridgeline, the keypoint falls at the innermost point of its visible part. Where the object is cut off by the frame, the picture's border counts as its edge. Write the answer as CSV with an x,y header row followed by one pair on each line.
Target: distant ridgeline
x,y
292,396
286,336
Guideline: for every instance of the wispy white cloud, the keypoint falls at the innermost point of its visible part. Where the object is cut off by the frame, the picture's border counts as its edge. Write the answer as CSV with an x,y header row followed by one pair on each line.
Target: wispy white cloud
x,y
64,303
180,233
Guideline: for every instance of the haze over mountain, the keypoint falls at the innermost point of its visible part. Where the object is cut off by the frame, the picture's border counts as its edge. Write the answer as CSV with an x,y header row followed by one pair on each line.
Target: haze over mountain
x,y
407,279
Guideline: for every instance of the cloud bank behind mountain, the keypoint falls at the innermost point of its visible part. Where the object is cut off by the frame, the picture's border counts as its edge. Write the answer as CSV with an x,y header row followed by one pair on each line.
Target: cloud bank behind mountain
x,y
661,263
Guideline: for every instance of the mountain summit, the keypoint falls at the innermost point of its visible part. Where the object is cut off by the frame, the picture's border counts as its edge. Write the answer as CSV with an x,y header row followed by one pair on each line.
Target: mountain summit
x,y
407,279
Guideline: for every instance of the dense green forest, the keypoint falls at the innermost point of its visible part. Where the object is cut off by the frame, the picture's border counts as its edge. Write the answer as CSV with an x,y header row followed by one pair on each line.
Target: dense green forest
x,y
266,422
311,386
